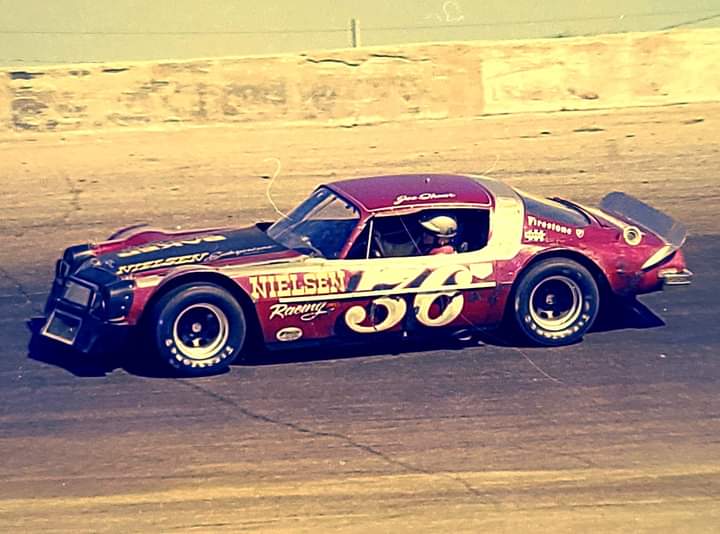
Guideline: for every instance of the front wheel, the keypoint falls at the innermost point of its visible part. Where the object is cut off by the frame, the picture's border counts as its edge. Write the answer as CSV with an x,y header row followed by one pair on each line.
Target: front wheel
x,y
198,329
556,302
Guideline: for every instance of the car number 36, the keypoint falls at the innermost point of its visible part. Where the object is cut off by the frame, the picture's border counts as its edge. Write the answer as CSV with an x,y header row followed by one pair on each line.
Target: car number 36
x,y
453,278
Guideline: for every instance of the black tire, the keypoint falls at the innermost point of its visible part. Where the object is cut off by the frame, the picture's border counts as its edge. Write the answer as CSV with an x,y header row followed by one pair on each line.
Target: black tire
x,y
198,329
555,302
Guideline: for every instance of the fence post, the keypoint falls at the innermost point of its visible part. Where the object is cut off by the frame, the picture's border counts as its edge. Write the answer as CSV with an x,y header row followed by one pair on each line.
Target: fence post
x,y
355,33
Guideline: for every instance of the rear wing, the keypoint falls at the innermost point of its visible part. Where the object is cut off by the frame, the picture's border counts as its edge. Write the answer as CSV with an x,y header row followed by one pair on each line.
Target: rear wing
x,y
634,211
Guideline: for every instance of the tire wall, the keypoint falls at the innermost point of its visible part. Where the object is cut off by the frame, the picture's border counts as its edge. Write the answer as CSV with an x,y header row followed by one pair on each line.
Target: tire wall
x,y
367,85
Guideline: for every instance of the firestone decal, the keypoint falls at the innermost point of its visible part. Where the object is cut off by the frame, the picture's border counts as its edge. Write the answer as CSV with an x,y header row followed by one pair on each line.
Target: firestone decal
x,y
401,199
535,235
549,225
170,244
296,284
306,312
161,263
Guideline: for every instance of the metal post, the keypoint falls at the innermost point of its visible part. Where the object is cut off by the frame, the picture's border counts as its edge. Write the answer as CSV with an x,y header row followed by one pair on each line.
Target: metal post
x,y
355,33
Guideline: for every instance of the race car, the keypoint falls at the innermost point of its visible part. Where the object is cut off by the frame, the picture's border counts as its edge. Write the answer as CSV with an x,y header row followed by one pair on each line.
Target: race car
x,y
366,257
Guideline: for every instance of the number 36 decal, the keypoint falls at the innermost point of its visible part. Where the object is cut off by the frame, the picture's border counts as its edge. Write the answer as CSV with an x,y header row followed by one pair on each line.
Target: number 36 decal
x,y
452,279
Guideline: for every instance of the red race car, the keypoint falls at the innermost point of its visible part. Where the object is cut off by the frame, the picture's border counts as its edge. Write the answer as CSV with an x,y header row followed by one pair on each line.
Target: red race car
x,y
364,257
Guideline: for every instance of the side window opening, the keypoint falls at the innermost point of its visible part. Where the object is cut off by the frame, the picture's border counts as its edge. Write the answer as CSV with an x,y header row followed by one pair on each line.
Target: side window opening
x,y
398,236
554,208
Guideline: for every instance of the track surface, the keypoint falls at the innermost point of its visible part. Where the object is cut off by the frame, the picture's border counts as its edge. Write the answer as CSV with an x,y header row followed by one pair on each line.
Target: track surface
x,y
618,433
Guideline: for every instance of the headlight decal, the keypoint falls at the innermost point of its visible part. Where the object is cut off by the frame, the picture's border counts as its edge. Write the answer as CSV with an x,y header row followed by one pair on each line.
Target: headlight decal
x,y
77,293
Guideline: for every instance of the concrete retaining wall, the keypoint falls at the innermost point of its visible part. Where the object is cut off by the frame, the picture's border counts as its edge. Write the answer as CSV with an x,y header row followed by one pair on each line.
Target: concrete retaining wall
x,y
445,80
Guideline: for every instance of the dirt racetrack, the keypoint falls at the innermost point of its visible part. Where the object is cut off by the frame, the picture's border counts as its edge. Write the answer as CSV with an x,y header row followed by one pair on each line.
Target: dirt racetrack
x,y
620,433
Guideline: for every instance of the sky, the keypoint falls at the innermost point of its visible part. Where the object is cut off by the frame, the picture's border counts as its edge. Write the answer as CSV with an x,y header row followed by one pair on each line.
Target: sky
x,y
36,32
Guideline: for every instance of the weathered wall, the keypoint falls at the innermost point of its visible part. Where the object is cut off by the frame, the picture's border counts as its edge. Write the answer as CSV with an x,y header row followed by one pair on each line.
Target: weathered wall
x,y
443,80
604,71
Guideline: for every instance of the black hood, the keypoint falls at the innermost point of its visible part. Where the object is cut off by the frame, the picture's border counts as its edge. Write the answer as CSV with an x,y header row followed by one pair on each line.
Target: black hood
x,y
201,248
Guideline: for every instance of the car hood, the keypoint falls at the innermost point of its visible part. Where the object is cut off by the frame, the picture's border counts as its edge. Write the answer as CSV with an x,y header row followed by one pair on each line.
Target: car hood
x,y
138,255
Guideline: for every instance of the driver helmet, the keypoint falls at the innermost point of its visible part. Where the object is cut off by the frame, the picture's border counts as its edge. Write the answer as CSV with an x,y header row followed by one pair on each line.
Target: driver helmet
x,y
441,226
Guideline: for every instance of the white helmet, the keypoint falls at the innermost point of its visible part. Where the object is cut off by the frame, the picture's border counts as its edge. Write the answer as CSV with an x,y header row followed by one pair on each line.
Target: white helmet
x,y
440,225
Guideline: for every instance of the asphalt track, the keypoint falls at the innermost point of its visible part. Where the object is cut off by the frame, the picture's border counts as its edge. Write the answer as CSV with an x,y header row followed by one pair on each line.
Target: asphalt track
x,y
619,433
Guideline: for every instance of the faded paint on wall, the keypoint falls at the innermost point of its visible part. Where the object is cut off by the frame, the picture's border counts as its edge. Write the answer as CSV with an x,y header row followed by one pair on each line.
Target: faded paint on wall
x,y
443,80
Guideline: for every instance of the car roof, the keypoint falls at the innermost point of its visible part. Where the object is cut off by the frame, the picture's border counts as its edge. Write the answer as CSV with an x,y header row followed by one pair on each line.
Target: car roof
x,y
402,191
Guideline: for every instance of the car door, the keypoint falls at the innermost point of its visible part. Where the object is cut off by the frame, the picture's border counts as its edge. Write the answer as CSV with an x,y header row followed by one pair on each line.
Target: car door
x,y
408,290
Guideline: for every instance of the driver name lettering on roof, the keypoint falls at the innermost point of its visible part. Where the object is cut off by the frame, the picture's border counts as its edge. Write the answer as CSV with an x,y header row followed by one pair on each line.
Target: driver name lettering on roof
x,y
401,199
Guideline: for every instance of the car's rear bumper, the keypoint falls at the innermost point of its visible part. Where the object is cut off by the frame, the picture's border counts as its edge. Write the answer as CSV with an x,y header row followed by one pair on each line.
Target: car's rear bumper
x,y
675,277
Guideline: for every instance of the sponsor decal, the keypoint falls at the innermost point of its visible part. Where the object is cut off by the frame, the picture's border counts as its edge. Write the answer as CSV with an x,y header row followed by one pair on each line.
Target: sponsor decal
x,y
535,235
289,333
306,312
161,263
164,245
401,199
580,232
222,254
439,291
431,297
549,225
297,284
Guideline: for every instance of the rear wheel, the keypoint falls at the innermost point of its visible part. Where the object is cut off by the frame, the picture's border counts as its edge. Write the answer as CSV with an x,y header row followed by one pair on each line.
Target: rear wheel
x,y
198,329
556,302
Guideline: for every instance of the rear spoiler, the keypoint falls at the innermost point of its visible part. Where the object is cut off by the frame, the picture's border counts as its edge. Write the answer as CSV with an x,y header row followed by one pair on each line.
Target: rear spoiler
x,y
630,209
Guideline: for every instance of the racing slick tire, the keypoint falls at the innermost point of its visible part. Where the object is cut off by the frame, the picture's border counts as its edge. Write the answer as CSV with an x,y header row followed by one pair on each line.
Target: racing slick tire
x,y
198,329
555,302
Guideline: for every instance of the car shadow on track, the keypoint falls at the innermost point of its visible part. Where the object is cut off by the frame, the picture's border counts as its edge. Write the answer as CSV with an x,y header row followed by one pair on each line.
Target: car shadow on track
x,y
128,355
624,314
132,357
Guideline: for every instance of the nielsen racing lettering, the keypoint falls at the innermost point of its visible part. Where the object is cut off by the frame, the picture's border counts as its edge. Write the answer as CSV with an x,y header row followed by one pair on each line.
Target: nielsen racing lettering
x,y
306,312
162,262
296,284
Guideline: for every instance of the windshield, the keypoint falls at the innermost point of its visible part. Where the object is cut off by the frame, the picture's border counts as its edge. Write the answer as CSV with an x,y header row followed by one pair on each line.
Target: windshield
x,y
319,226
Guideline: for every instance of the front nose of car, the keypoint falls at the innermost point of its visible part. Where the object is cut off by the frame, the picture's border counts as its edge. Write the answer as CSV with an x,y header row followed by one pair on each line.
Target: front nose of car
x,y
85,303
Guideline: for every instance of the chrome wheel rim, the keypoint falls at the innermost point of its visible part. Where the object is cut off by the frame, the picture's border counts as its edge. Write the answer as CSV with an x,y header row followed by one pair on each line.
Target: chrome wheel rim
x,y
201,331
556,303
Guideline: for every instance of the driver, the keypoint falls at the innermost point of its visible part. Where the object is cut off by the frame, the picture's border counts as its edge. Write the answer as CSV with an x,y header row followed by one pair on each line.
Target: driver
x,y
438,234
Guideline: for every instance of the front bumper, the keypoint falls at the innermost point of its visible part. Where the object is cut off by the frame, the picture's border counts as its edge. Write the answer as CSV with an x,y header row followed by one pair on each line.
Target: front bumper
x,y
82,331
81,310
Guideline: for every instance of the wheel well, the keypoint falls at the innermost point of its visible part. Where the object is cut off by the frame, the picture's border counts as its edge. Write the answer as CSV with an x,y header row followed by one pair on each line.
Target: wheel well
x,y
596,272
253,323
